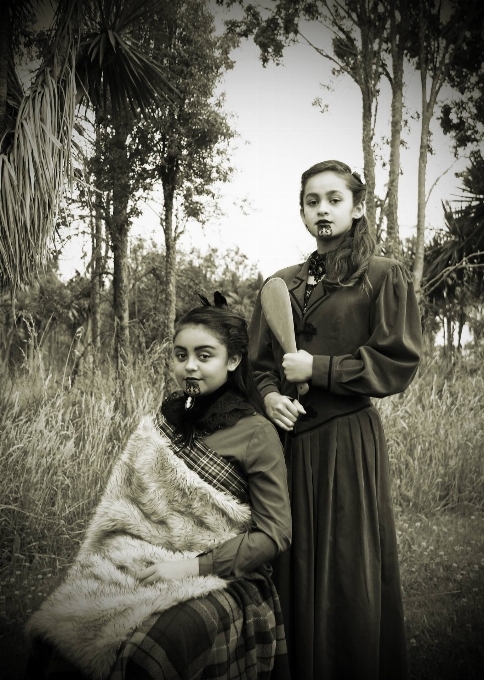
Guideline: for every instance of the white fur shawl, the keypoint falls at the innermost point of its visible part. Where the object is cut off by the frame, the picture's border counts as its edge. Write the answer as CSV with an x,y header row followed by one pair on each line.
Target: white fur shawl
x,y
153,509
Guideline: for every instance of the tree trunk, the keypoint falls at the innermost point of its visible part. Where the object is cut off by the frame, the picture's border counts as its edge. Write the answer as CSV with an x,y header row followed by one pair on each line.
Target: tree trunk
x,y
442,61
96,256
170,286
426,116
5,47
120,287
462,320
96,280
366,81
450,337
119,245
398,41
422,170
369,161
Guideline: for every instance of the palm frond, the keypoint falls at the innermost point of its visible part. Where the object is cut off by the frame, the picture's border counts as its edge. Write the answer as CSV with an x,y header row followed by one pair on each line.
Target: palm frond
x,y
34,171
110,63
113,65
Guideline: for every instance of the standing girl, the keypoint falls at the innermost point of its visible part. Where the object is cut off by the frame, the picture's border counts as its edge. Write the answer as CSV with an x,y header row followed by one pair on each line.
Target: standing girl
x,y
171,580
358,334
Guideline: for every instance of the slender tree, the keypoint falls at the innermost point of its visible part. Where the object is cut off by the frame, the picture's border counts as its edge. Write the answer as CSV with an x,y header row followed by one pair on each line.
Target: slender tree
x,y
399,33
441,29
357,31
188,141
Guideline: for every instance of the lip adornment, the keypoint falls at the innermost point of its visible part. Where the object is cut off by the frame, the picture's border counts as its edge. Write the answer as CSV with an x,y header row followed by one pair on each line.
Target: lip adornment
x,y
324,228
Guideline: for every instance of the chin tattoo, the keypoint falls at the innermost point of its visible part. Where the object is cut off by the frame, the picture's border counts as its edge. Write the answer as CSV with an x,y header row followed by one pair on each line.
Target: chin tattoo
x,y
192,388
324,230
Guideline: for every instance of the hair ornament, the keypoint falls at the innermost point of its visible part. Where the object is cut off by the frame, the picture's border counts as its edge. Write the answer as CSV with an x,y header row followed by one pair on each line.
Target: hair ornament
x,y
218,300
357,176
204,300
189,403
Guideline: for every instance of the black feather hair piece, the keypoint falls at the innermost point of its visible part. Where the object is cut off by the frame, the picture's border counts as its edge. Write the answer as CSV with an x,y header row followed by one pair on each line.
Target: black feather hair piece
x,y
218,300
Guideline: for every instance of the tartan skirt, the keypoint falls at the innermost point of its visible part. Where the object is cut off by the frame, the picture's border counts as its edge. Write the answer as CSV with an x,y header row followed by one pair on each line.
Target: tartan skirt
x,y
339,582
232,634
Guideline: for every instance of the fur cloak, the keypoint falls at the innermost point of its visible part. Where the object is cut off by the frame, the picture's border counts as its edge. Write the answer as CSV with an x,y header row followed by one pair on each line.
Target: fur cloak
x,y
154,509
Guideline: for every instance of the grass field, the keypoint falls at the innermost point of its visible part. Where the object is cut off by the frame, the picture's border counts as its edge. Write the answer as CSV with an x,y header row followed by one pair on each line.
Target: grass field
x,y
57,447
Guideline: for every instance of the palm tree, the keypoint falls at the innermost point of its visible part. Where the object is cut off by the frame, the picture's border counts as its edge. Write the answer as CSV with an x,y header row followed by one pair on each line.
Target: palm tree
x,y
93,48
454,268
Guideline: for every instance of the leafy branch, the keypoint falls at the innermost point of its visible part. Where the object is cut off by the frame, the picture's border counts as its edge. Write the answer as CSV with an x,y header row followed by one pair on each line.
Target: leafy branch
x,y
463,264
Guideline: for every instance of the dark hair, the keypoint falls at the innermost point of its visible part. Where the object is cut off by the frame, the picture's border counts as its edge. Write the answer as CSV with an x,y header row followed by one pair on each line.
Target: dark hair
x,y
347,264
232,331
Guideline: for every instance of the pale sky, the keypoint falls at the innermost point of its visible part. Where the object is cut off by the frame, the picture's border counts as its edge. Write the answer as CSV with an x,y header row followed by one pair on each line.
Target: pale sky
x,y
281,135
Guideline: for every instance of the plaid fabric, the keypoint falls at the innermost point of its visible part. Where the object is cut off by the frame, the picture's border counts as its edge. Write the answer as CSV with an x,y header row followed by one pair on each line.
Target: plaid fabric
x,y
231,634
209,465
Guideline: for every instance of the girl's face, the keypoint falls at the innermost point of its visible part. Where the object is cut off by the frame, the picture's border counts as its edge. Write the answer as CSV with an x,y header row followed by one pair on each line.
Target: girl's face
x,y
202,363
328,209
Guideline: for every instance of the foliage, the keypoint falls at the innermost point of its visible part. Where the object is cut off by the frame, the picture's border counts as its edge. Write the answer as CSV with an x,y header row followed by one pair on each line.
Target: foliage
x,y
33,173
188,141
108,63
54,317
44,316
112,64
454,266
463,116
229,272
441,31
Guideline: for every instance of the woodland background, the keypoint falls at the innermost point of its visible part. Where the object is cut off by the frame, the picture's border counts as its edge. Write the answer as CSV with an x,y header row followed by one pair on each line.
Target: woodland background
x,y
114,99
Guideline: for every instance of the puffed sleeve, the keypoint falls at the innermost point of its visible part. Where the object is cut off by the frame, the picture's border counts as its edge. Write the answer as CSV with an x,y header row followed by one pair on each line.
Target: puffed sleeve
x,y
270,532
387,363
261,357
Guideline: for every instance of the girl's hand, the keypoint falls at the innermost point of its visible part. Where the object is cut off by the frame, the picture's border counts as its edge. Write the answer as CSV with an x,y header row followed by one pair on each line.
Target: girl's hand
x,y
282,411
167,571
298,367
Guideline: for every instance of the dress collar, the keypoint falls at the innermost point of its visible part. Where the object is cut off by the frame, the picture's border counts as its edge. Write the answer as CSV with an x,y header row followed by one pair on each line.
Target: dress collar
x,y
216,411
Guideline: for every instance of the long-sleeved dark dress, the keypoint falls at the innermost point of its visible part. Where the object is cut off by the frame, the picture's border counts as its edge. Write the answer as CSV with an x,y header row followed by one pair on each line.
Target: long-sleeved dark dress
x,y
339,583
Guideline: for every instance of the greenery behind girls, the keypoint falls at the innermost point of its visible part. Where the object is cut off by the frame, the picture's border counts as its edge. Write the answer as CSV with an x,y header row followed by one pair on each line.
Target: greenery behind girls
x,y
358,334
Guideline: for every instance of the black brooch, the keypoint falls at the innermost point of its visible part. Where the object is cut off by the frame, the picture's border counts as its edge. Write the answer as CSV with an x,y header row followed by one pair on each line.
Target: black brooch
x,y
310,413
307,331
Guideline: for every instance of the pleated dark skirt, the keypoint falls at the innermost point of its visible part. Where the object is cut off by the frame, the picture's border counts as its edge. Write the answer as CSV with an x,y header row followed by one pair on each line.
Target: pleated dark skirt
x,y
339,583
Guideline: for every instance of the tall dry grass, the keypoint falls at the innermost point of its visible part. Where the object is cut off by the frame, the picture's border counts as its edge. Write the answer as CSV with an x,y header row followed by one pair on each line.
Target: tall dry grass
x,y
435,433
57,447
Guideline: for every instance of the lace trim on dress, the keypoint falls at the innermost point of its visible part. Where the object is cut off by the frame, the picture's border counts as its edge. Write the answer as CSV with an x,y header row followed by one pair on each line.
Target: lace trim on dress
x,y
217,411
317,269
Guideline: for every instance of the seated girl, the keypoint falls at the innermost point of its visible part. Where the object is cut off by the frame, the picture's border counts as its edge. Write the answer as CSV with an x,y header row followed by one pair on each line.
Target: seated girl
x,y
172,578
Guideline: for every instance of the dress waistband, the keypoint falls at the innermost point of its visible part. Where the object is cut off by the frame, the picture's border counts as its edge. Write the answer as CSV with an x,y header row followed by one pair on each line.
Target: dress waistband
x,y
321,407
